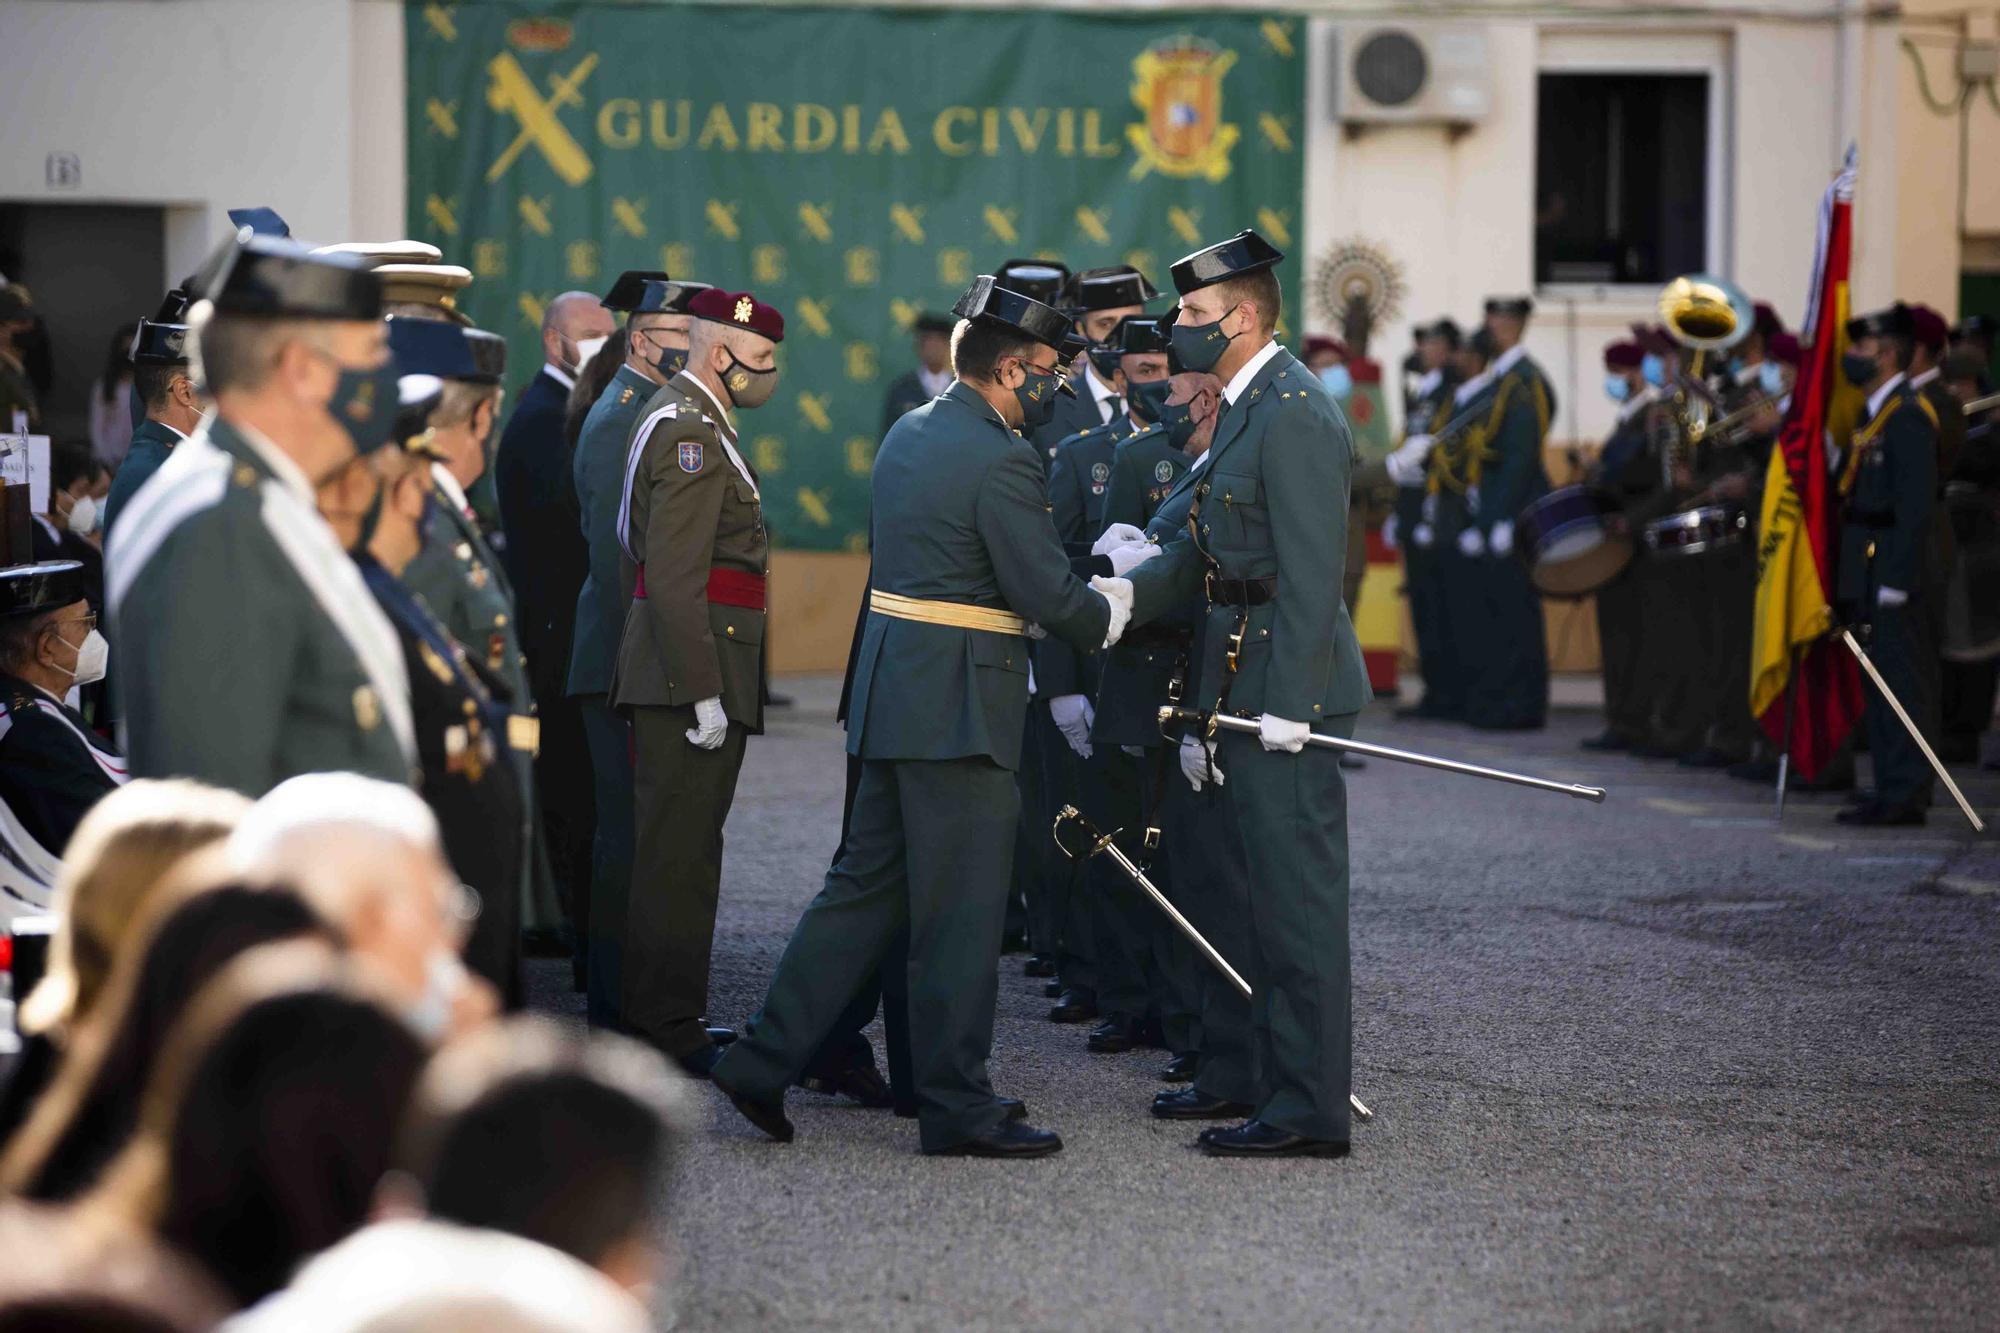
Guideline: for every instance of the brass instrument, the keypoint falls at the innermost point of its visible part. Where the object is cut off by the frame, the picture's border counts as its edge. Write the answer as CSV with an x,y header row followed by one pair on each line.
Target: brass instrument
x,y
1708,314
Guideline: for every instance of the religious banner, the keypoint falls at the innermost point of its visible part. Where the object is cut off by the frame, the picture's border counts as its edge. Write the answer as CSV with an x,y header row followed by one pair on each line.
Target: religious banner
x,y
852,167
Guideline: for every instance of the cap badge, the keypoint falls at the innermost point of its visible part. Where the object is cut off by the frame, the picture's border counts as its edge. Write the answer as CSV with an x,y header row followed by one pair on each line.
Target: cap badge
x,y
743,310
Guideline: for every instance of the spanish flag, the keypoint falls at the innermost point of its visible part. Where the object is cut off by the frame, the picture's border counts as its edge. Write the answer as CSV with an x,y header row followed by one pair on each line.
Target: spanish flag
x,y
1795,551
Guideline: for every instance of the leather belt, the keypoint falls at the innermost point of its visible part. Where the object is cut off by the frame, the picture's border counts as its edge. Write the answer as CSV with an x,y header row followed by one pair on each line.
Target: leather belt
x,y
961,615
1241,592
1157,636
726,587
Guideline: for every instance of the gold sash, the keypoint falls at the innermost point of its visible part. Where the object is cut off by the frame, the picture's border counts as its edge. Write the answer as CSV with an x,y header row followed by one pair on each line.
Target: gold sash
x,y
946,613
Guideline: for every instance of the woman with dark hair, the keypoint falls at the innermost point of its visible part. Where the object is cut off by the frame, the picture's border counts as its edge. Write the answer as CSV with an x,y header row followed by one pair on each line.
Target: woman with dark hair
x,y
269,1120
92,1107
589,387
111,422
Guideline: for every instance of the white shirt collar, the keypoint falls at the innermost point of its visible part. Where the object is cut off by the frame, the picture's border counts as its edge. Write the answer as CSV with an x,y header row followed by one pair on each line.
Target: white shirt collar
x,y
1101,393
1636,402
289,474
1919,381
178,434
558,374
721,412
449,485
1469,390
1241,379
1507,359
1428,381
1881,395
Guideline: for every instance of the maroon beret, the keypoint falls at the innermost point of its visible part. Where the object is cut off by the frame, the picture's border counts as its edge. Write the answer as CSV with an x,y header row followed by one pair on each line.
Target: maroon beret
x,y
1765,319
1624,356
739,310
1320,342
1785,347
1929,326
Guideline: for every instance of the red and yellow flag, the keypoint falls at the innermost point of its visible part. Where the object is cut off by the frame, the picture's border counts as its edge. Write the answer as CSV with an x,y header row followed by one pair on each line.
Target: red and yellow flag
x,y
1795,552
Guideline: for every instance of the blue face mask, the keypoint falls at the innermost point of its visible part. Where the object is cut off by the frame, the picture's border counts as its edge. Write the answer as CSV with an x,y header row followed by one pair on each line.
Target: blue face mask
x,y
1771,379
1617,387
1338,381
1654,369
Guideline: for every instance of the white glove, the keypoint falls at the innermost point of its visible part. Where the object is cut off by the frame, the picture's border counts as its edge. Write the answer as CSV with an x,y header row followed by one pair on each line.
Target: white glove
x,y
1423,535
711,725
1118,592
1502,542
1471,543
1405,464
1278,734
1037,633
1389,532
1136,751
1198,763
1127,558
1118,534
1891,598
1073,715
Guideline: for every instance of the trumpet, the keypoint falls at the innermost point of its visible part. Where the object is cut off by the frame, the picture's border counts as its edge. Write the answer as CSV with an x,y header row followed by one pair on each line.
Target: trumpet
x,y
1708,314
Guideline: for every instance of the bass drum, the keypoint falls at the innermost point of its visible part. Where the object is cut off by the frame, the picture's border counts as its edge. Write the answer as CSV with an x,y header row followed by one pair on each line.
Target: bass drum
x,y
1972,596
1570,549
1699,530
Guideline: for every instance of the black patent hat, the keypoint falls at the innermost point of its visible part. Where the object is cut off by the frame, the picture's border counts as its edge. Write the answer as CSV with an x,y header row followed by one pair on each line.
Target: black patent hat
x,y
260,221
1110,288
987,300
1515,307
1140,333
270,276
1044,280
446,351
932,322
650,292
1245,252
27,589
162,339
1896,321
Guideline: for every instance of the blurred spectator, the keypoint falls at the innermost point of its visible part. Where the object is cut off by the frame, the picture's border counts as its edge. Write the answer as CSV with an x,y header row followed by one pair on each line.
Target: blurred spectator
x,y
269,1120
366,854
111,420
433,1277
587,1129
84,1312
597,373
18,330
196,930
119,857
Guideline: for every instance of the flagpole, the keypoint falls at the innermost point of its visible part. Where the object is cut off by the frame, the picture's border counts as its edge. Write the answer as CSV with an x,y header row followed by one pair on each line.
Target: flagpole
x,y
1791,717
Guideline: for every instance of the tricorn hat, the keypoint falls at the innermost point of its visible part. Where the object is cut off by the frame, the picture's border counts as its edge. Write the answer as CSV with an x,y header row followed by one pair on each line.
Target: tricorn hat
x,y
26,589
162,339
1140,333
1894,321
251,274
1110,288
1245,252
1044,280
987,300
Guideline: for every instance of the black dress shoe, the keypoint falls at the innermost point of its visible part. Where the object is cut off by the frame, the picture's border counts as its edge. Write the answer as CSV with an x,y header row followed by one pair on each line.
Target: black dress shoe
x,y
767,1116
1877,815
1014,941
1052,989
1424,712
1706,757
1182,1068
1010,1139
1608,741
1861,796
1194,1104
698,1062
1016,1109
1652,750
1114,1036
1254,1138
859,1083
721,1036
1074,1007
1039,965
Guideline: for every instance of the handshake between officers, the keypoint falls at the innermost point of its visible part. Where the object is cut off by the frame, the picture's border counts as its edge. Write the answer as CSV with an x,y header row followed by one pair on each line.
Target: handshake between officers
x,y
967,567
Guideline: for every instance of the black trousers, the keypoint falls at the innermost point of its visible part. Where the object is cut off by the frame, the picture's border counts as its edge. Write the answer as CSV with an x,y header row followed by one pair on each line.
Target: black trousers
x,y
608,739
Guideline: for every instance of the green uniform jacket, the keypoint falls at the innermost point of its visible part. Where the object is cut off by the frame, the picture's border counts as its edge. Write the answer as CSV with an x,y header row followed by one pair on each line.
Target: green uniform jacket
x,y
1073,414
151,444
1512,475
1144,471
462,581
1272,505
1079,478
249,648
599,471
1139,668
1886,531
691,507
960,516
53,768
906,394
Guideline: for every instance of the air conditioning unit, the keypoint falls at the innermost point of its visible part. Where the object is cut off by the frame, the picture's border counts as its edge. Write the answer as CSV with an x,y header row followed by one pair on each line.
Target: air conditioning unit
x,y
1411,74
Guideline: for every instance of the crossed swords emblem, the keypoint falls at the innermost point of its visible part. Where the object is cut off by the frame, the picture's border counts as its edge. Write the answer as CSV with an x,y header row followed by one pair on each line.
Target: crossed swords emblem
x,y
512,91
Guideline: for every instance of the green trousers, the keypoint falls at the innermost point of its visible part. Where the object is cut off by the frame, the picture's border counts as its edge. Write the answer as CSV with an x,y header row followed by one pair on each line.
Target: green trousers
x,y
1621,643
1213,883
1293,812
930,849
680,800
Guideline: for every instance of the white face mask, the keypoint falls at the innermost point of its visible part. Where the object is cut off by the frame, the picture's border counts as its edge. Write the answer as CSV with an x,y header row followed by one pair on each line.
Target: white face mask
x,y
586,348
83,516
431,1014
92,656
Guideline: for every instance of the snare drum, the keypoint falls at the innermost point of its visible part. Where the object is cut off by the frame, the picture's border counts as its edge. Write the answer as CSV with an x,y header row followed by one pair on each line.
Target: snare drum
x,y
1571,551
1695,531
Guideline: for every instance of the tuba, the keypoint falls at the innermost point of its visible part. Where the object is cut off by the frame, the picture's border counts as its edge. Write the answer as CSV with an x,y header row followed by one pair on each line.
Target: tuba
x,y
1708,314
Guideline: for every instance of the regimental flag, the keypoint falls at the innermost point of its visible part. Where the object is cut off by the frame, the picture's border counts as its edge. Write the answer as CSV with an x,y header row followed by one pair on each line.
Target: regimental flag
x,y
1795,552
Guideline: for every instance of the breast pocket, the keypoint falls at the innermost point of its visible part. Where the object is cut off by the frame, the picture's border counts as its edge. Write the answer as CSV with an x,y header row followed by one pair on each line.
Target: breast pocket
x,y
1236,514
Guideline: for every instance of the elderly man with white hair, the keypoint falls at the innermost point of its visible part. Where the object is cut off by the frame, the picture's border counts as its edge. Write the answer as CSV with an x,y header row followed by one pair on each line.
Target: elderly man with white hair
x,y
366,854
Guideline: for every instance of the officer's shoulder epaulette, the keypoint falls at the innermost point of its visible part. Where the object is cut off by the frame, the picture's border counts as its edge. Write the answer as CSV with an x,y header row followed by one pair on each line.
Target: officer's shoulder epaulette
x,y
677,421
1141,438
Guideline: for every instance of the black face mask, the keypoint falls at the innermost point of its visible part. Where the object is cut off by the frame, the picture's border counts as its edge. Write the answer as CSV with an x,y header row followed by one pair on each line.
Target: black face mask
x,y
1037,397
1860,370
1200,346
671,361
1149,397
1179,420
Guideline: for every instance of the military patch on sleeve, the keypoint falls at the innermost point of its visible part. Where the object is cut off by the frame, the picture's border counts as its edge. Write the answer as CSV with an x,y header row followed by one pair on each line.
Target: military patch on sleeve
x,y
1100,472
1163,471
690,455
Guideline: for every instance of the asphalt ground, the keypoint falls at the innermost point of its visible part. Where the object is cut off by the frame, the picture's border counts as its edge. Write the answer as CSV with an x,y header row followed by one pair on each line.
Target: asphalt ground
x,y
1659,1063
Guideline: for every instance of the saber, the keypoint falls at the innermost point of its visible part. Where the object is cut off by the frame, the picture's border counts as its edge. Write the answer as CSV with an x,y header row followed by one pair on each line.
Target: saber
x,y
1965,807
1104,842
1248,727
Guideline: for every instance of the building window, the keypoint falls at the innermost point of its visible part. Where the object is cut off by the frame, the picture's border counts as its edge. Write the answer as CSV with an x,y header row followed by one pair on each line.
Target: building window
x,y
1621,177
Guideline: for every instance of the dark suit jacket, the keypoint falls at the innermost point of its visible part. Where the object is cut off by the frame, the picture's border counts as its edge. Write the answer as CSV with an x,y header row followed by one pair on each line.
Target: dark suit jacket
x,y
544,553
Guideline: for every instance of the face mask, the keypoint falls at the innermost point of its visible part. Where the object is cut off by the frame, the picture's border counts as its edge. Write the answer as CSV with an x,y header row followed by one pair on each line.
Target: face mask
x,y
586,348
1104,360
364,403
1859,369
1617,388
1150,397
1178,418
1338,381
92,656
1200,346
747,387
83,516
1037,397
431,1014
1771,379
1654,369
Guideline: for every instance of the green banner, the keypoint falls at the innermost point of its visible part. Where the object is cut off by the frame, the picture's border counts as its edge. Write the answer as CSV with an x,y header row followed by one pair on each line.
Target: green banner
x,y
850,166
